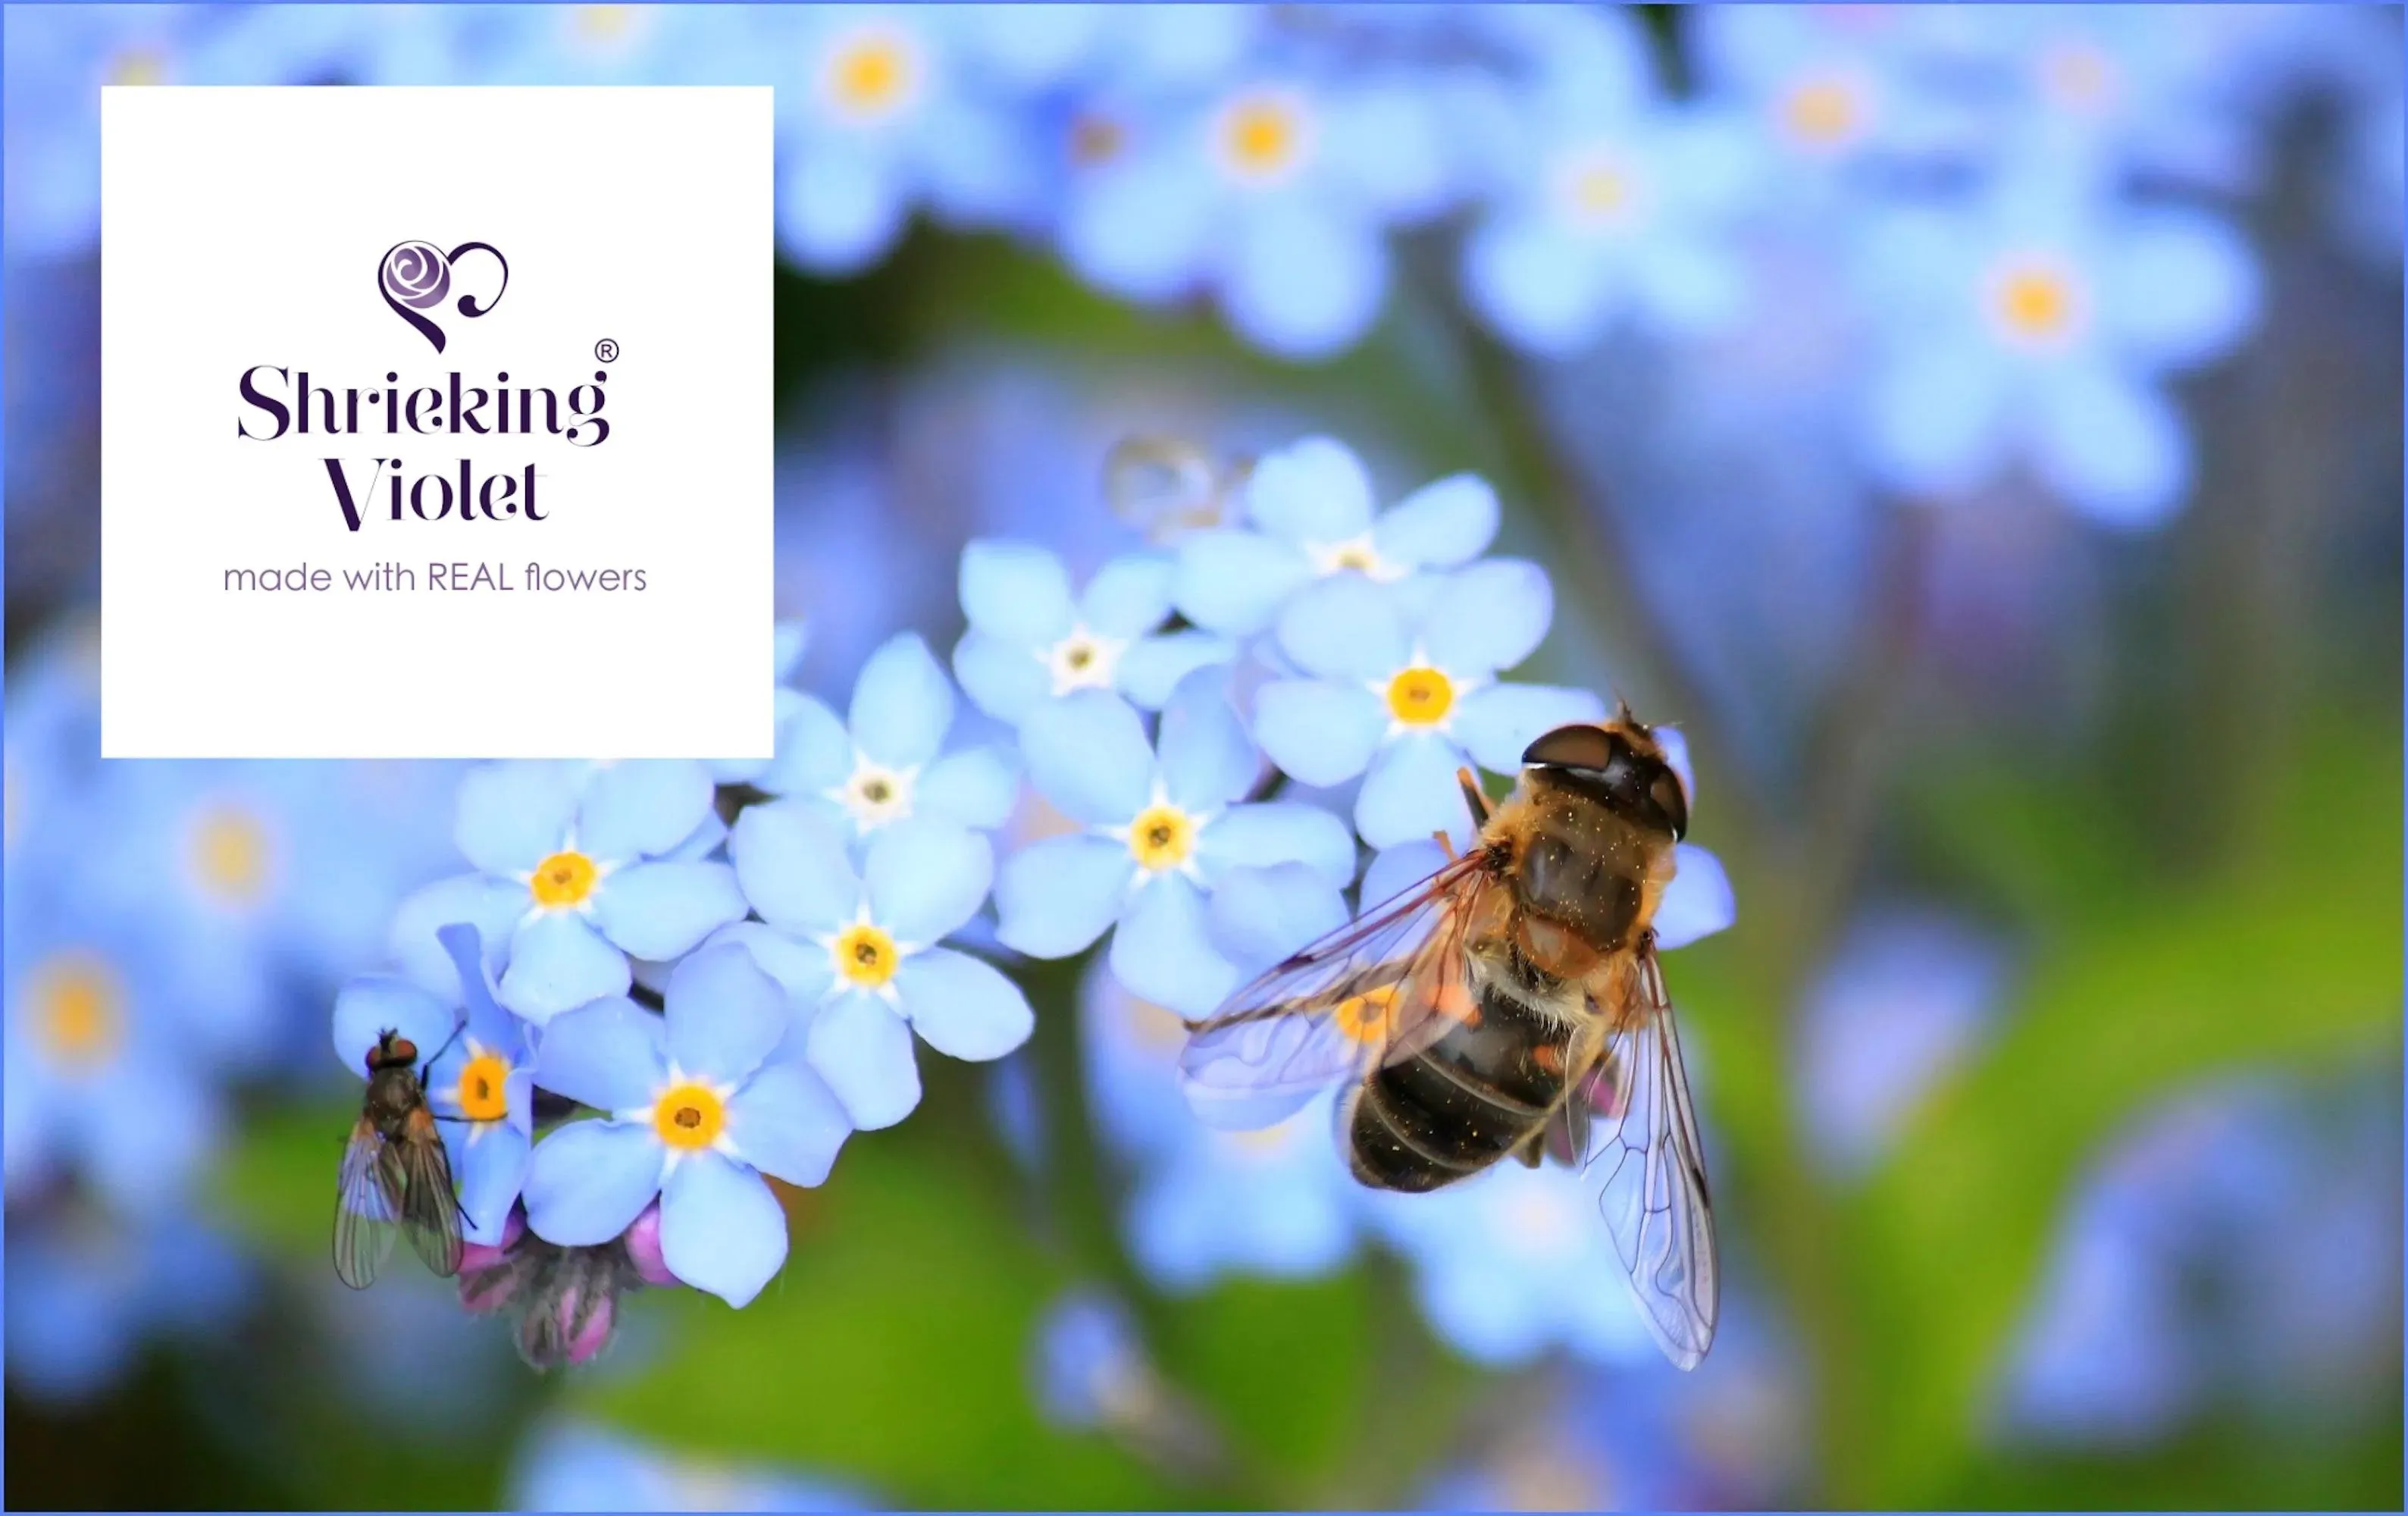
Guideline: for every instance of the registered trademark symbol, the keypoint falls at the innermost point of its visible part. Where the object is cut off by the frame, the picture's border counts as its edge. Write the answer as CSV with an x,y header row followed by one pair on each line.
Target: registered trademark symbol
x,y
605,351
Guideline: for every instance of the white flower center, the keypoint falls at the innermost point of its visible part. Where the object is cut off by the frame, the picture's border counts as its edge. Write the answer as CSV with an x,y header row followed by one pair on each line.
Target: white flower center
x,y
1082,660
874,795
1359,553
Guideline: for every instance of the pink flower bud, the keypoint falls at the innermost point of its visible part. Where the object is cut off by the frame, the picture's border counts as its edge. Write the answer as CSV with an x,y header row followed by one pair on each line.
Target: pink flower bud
x,y
643,1244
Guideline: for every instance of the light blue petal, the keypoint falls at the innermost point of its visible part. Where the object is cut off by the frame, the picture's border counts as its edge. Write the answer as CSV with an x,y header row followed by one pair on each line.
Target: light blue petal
x,y
802,969
513,816
792,864
607,1055
1400,868
588,1181
1411,792
1138,230
1057,895
1208,761
145,1132
643,807
1016,593
1153,667
1699,901
926,878
902,703
1440,525
1497,725
1688,286
814,751
721,1230
1304,278
491,906
976,786
704,840
2112,446
1344,629
2179,287
1542,289
1935,419
725,1014
864,1052
1279,832
1490,616
1319,734
366,1006
1128,596
491,1176
1002,679
659,910
789,639
1087,753
1313,490
837,210
487,1021
559,961
1234,582
1163,952
963,1006
788,1123
1258,916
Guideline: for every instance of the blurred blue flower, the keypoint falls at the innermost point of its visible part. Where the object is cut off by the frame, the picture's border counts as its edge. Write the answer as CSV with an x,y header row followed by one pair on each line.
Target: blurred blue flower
x,y
1089,1367
1161,833
570,1465
1314,515
878,115
1842,95
694,1110
578,868
1904,1000
888,764
86,1288
2037,328
479,1069
1030,640
857,952
1407,692
1512,1262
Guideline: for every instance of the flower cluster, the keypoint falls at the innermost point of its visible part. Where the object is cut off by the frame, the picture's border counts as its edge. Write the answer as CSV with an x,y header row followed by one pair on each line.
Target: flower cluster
x,y
2069,173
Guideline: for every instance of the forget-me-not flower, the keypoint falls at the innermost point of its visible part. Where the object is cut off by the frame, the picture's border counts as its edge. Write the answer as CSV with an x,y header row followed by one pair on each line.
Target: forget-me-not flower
x,y
478,1069
858,954
2037,328
578,868
695,1110
1161,831
1313,514
1031,640
1409,693
887,762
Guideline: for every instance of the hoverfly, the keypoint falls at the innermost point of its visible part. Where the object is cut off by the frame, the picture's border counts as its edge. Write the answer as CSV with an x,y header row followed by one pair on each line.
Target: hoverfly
x,y
396,1172
1509,1004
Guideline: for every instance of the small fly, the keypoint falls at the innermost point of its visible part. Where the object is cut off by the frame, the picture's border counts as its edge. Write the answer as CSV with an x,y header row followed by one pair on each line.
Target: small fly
x,y
396,1173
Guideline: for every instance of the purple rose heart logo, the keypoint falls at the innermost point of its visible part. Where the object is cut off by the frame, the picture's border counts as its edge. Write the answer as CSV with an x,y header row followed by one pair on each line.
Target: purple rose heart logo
x,y
414,278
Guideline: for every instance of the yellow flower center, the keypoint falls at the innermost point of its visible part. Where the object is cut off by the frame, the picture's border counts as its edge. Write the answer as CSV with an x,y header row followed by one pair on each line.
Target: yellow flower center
x,y
480,1091
1364,1017
604,23
689,1116
1420,697
866,955
1161,838
2077,75
141,65
1823,114
564,879
1597,189
230,855
2037,305
1263,135
871,74
79,1006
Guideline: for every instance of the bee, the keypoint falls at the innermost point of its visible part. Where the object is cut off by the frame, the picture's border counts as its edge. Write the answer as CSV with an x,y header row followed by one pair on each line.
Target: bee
x,y
396,1173
1508,1004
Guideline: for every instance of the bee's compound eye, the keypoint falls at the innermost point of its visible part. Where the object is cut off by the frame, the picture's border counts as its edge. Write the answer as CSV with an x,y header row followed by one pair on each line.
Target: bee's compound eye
x,y
1672,800
1572,747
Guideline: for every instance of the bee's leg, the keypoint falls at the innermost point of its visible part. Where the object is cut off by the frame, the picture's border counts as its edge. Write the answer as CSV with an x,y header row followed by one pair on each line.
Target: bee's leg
x,y
1473,798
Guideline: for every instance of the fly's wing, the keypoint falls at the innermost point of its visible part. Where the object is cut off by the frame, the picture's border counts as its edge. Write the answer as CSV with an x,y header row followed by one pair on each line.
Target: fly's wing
x,y
368,1199
430,1212
1643,1151
1375,991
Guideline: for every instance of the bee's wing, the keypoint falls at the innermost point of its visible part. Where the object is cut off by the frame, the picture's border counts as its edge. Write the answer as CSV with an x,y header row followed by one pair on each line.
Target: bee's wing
x,y
1641,1145
430,1211
1364,994
368,1200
